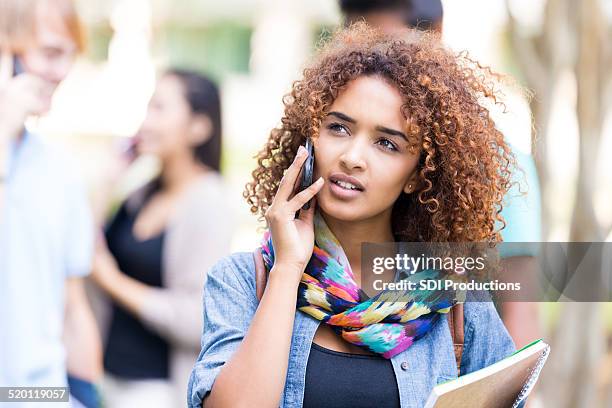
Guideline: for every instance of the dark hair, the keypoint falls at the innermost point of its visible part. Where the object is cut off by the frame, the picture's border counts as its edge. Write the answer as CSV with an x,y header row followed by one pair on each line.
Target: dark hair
x,y
420,14
424,14
202,95
367,6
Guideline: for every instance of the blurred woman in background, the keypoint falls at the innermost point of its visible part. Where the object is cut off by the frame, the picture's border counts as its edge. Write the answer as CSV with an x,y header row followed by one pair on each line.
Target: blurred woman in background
x,y
160,243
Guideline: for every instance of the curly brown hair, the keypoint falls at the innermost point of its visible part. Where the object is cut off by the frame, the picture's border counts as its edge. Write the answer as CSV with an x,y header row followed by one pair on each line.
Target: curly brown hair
x,y
465,165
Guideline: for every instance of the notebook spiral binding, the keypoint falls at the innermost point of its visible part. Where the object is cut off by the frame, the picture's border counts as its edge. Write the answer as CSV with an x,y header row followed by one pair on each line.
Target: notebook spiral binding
x,y
533,377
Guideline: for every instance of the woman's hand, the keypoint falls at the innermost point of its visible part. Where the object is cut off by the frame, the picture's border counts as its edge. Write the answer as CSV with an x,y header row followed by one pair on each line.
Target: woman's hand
x,y
293,238
121,288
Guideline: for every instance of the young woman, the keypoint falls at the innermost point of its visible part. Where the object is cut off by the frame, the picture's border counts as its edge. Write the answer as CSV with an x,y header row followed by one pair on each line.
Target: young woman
x,y
404,151
161,242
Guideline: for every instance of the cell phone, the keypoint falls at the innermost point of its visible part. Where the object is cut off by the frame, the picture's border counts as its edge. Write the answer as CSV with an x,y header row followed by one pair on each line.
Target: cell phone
x,y
17,67
129,148
307,170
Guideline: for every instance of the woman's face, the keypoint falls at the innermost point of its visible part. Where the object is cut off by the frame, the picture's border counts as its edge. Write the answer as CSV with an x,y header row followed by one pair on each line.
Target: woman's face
x,y
362,152
166,130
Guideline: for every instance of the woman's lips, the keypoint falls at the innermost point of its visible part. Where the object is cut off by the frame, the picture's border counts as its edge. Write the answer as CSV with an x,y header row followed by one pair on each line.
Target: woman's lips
x,y
345,178
342,192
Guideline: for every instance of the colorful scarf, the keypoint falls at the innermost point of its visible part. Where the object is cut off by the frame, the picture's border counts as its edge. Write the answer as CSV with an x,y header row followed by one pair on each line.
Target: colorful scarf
x,y
385,324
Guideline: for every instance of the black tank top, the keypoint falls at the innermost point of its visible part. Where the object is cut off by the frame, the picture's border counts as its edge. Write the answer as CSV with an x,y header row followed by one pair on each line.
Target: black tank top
x,y
343,380
133,351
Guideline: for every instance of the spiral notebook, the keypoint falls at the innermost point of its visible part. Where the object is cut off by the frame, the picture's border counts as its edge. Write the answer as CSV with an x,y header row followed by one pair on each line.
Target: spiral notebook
x,y
503,384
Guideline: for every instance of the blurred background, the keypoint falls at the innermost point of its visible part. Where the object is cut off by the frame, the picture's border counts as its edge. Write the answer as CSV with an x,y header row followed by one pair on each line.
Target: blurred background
x,y
558,49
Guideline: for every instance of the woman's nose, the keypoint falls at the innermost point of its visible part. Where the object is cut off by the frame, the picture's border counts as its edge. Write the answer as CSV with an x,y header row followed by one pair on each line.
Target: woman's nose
x,y
353,156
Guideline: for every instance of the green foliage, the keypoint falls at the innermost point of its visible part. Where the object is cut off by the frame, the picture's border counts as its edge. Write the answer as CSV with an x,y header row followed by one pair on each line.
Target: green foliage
x,y
98,39
321,34
216,49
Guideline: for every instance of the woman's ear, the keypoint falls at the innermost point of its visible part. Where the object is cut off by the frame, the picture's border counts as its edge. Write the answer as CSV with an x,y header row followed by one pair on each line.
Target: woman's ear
x,y
412,184
200,130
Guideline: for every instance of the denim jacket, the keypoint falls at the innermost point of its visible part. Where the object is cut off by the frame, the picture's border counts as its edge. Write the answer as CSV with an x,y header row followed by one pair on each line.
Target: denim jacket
x,y
230,303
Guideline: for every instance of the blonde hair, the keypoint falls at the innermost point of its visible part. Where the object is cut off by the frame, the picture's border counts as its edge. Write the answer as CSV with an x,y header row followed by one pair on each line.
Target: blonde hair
x,y
69,16
18,22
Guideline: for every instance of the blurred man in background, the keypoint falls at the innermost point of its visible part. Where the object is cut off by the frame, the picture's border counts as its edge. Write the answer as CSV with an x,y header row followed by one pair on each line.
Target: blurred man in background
x,y
521,213
46,236
395,15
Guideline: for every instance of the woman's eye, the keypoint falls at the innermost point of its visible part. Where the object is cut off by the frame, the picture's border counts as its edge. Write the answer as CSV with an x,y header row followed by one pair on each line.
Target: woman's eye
x,y
338,128
387,144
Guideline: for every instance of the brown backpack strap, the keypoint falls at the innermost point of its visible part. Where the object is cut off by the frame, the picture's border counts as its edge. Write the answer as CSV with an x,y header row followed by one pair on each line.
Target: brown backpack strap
x,y
454,318
455,324
261,275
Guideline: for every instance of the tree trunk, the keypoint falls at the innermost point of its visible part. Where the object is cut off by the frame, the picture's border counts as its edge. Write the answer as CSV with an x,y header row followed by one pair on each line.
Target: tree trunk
x,y
579,342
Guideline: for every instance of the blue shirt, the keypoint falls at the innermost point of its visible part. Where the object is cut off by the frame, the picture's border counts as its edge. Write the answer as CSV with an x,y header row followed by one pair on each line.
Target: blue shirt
x,y
46,236
230,303
522,210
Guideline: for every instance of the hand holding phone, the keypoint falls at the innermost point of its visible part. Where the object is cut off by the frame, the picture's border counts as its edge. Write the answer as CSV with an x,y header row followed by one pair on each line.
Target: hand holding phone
x,y
308,170
291,227
21,95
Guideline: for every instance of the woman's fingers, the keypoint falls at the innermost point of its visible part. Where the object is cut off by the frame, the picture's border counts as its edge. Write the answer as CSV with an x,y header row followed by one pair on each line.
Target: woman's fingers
x,y
302,197
307,216
287,183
